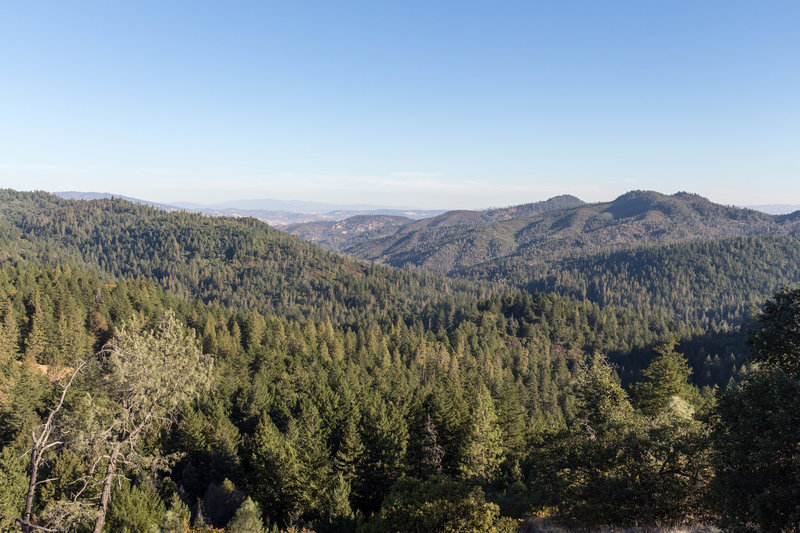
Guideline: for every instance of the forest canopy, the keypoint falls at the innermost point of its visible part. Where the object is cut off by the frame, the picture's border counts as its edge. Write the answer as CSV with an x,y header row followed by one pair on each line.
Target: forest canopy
x,y
371,397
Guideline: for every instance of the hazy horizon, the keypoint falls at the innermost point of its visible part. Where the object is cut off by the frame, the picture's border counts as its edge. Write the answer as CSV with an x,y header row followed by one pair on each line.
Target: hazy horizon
x,y
773,208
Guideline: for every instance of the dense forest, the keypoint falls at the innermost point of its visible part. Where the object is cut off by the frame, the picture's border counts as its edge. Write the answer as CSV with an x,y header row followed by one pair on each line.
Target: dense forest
x,y
713,282
701,261
239,262
459,240
367,230
174,372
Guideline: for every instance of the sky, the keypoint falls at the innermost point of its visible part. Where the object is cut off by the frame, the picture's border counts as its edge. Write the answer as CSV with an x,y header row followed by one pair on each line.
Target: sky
x,y
436,105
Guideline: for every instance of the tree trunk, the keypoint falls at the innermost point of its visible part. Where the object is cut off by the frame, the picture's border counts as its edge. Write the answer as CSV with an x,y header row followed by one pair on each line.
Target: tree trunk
x,y
106,494
40,445
26,516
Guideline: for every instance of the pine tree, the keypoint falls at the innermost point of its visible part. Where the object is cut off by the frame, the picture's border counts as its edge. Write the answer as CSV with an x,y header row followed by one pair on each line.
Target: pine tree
x,y
385,441
666,377
511,417
177,517
432,452
276,472
9,339
13,487
148,376
313,458
776,343
36,341
247,519
482,451
347,459
135,508
336,507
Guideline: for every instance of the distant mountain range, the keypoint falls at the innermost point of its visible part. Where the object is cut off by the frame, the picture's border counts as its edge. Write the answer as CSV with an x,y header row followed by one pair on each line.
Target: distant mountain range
x,y
289,214
345,234
294,206
77,195
682,252
700,260
277,213
283,218
457,240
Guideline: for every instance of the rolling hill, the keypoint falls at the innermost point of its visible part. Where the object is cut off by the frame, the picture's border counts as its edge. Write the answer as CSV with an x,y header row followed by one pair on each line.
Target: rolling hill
x,y
645,248
241,262
455,241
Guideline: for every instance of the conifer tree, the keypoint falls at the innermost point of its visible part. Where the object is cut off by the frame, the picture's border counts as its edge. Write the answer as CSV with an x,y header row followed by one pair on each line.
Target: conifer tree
x,y
666,377
276,473
350,451
247,519
482,450
432,452
36,341
385,441
13,486
177,517
336,508
9,339
313,458
776,342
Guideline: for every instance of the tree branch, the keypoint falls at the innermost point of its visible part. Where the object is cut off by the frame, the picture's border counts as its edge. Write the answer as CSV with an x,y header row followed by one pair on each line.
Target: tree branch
x,y
28,525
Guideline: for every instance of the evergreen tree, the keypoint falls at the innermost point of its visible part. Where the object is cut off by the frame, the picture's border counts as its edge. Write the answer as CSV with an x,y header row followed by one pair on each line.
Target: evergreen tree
x,y
177,517
36,341
757,428
386,440
247,519
313,459
432,452
276,473
776,342
438,504
9,340
347,460
135,509
13,487
148,376
666,378
336,509
482,450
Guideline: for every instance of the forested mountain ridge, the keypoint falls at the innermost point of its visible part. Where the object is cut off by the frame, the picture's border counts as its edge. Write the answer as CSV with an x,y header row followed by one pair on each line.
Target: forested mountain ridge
x,y
637,217
709,281
245,264
79,195
700,260
344,235
342,396
234,261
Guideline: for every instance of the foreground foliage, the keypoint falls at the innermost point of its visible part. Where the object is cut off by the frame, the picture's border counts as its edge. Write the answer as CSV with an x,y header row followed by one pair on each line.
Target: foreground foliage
x,y
757,429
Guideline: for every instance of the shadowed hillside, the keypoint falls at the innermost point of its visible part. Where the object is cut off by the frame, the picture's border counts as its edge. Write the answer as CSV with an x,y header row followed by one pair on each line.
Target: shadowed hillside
x,y
240,262
701,260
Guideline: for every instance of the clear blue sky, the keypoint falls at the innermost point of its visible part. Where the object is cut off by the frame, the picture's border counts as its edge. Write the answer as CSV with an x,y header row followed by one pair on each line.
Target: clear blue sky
x,y
430,104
